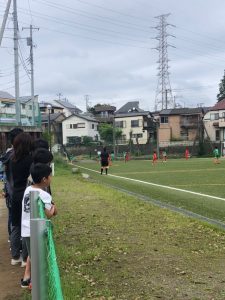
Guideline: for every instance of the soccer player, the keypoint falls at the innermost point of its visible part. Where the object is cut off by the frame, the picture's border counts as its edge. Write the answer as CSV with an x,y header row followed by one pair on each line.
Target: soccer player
x,y
216,155
187,154
154,158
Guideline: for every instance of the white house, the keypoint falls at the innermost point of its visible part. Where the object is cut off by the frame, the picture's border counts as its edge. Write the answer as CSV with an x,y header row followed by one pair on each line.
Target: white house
x,y
77,126
214,121
68,108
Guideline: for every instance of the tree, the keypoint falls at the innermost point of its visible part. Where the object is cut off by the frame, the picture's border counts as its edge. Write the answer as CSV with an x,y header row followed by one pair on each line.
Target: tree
x,y
221,94
106,132
87,140
92,109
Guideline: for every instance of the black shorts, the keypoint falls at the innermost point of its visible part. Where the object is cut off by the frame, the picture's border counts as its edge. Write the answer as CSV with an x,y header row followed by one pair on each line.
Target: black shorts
x,y
104,163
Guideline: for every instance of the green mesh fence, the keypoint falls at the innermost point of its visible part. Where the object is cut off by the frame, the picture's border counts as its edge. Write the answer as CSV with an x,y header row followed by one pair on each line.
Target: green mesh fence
x,y
54,285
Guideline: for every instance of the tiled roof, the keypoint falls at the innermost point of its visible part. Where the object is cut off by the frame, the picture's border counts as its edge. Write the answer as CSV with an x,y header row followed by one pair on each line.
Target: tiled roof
x,y
219,105
129,107
133,114
45,104
5,95
181,111
44,117
83,116
68,105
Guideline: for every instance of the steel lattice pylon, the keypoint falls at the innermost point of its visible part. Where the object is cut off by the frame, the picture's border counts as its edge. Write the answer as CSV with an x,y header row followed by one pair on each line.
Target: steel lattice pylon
x,y
164,97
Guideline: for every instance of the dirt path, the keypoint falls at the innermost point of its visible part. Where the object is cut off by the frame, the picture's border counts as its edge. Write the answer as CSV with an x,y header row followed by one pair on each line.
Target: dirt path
x,y
9,275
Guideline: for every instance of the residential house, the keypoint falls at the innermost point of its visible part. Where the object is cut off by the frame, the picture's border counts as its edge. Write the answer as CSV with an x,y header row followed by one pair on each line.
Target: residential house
x,y
77,126
8,117
53,123
68,108
180,124
48,107
214,121
104,113
8,110
136,124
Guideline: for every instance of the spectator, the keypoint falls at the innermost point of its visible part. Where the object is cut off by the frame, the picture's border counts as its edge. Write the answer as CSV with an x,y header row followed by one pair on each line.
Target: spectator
x,y
20,163
8,181
41,174
40,143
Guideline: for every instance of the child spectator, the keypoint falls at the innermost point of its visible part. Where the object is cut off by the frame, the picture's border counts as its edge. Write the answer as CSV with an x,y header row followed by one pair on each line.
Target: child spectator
x,y
40,143
41,175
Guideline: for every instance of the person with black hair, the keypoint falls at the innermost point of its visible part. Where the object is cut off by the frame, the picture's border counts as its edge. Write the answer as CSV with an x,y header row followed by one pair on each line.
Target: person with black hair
x,y
7,176
20,163
41,175
42,155
40,143
104,161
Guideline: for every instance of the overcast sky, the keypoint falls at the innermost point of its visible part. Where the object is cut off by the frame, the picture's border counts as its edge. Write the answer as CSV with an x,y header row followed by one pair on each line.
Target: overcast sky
x,y
104,49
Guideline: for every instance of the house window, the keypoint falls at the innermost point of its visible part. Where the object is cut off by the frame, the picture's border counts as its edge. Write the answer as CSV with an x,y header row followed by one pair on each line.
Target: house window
x,y
184,134
80,125
74,126
23,106
92,126
30,107
214,116
164,120
120,124
218,135
123,137
73,140
71,126
134,123
137,135
104,114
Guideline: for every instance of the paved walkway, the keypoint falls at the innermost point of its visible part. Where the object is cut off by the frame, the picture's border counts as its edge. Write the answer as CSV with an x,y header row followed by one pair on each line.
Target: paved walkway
x,y
9,275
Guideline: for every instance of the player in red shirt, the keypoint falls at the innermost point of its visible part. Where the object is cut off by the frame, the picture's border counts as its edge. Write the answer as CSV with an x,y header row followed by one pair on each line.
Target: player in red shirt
x,y
187,154
154,158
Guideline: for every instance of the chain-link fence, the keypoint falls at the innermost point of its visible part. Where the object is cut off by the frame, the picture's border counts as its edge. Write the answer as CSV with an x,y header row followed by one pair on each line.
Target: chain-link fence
x,y
45,276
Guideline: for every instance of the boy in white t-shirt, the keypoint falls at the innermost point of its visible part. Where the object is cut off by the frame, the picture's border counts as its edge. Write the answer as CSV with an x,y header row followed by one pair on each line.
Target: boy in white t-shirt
x,y
41,175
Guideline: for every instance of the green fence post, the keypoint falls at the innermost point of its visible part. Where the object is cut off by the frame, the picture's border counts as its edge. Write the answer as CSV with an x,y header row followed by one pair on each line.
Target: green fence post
x,y
34,208
39,271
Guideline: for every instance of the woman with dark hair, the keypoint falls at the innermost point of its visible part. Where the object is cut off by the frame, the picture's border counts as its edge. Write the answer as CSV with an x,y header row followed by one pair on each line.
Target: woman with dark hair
x,y
20,163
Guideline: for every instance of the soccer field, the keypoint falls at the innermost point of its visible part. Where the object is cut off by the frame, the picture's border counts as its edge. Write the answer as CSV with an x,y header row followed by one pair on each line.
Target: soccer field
x,y
196,185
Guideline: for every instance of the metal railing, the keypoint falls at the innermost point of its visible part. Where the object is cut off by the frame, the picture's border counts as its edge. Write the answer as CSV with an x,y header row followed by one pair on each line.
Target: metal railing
x,y
46,283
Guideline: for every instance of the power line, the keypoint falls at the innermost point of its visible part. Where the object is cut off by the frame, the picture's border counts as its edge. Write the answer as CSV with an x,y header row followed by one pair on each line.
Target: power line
x,y
84,13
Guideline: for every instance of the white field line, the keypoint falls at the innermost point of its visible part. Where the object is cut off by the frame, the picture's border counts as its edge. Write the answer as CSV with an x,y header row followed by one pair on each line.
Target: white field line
x,y
159,185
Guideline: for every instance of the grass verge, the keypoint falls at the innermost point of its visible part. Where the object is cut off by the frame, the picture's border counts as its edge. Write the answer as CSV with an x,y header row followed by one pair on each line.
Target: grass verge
x,y
114,246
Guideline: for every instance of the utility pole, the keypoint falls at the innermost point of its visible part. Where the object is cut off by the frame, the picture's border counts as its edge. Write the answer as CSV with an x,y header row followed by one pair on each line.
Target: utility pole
x,y
164,96
87,102
4,20
30,43
16,64
59,95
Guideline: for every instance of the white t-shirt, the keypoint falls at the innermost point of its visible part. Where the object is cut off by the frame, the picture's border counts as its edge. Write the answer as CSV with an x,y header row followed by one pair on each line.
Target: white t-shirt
x,y
25,220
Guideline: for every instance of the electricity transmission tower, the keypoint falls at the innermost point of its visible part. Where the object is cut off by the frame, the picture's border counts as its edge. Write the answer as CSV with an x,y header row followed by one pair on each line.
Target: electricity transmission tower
x,y
164,97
